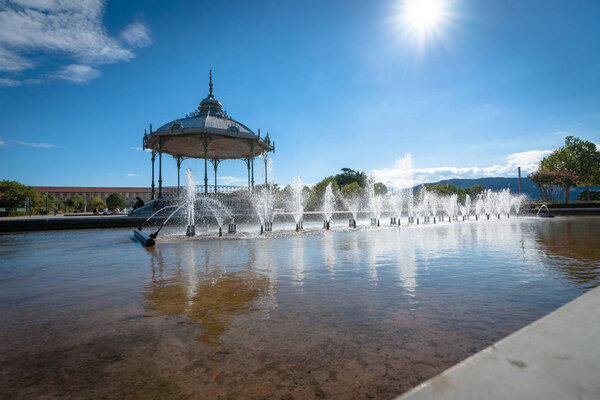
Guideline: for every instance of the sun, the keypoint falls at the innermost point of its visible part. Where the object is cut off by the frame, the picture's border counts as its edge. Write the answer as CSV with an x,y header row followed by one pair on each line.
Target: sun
x,y
424,14
421,20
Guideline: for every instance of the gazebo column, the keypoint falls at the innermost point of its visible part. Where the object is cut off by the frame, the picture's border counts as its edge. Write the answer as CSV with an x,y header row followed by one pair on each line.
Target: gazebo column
x,y
153,157
252,164
247,160
252,172
215,164
160,143
179,160
205,174
205,144
266,162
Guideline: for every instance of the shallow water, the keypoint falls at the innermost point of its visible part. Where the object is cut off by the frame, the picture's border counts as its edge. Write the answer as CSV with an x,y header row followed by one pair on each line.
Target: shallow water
x,y
364,313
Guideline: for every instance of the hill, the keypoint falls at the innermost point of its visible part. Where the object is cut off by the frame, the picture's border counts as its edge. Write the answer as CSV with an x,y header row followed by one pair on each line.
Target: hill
x,y
528,187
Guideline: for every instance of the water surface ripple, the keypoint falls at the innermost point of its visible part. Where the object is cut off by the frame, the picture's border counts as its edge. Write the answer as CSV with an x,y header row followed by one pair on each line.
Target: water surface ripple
x,y
343,314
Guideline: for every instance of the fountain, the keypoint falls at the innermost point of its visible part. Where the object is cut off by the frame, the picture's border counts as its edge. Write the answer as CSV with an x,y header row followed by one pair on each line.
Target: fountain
x,y
427,206
375,202
298,202
190,197
262,201
352,203
328,206
546,213
465,208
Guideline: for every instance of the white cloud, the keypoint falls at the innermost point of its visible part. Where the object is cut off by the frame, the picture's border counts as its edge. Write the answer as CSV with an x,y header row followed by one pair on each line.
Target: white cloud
x,y
77,73
136,35
3,143
403,175
137,148
64,28
9,61
9,82
132,175
231,180
36,144
561,133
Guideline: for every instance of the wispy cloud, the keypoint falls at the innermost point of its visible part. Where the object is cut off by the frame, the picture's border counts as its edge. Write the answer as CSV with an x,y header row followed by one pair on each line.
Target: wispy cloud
x,y
561,133
138,148
77,73
132,175
230,180
9,82
69,29
403,175
136,35
36,144
3,143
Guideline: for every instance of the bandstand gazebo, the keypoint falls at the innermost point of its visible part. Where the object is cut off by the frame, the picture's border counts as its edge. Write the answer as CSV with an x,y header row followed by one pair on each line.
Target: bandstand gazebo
x,y
207,133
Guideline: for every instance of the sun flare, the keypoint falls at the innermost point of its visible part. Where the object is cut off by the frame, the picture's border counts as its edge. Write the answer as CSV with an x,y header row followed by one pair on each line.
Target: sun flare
x,y
422,19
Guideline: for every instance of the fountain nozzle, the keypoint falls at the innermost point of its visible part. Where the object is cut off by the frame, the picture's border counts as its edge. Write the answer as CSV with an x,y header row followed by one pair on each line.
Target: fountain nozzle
x,y
190,231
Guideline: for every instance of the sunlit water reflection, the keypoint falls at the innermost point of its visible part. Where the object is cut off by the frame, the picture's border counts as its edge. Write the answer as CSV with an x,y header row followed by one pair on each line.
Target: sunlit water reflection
x,y
341,314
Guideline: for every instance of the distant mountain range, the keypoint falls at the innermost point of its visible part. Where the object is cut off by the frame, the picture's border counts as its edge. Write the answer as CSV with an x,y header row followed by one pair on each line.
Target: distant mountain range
x,y
527,186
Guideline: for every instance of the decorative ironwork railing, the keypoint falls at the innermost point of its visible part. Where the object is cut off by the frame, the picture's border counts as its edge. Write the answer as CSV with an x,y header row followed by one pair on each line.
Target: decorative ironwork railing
x,y
224,189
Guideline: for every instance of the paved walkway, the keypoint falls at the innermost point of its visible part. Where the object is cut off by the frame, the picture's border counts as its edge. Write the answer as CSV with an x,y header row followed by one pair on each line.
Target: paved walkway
x,y
51,215
556,357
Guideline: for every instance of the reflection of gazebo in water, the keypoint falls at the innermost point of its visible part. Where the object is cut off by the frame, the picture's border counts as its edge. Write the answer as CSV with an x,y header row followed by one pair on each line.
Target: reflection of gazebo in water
x,y
210,134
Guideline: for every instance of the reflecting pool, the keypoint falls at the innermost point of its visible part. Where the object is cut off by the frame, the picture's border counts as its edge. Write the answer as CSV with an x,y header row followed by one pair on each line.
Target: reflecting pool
x,y
368,313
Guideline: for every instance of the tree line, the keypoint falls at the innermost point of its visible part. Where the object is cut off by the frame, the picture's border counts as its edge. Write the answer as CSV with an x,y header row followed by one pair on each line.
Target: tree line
x,y
15,195
577,163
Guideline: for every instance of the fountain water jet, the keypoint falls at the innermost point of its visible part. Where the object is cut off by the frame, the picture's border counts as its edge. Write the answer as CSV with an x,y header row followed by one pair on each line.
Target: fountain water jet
x,y
328,206
190,197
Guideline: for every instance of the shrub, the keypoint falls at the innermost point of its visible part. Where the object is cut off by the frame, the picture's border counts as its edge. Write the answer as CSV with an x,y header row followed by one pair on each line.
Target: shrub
x,y
115,200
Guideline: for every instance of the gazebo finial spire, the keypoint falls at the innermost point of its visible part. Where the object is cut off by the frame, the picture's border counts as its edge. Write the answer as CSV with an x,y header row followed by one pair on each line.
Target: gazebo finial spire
x,y
210,85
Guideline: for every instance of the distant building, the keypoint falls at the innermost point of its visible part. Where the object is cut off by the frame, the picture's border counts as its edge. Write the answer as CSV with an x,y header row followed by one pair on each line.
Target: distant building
x,y
129,193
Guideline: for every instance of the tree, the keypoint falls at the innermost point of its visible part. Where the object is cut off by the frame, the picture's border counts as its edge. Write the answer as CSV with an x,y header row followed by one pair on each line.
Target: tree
x,y
548,182
15,193
318,191
577,158
96,202
594,195
380,188
115,200
77,202
352,190
587,159
447,189
349,176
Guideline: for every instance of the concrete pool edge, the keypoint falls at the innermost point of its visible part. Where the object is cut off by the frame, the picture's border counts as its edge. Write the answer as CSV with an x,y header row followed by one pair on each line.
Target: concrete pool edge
x,y
555,357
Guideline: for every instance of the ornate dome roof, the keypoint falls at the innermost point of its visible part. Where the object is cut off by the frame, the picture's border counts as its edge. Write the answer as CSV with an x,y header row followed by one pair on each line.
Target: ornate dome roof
x,y
228,137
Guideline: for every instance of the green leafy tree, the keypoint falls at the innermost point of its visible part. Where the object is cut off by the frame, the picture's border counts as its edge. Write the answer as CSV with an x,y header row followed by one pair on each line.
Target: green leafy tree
x,y
577,158
447,189
380,188
548,182
318,191
348,176
97,202
15,193
352,190
474,190
76,202
587,161
115,200
592,195
52,203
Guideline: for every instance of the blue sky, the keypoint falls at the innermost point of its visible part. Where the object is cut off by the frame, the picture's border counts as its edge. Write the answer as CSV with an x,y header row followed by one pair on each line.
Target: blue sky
x,y
495,85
